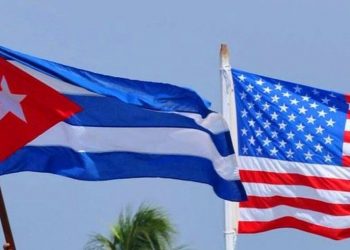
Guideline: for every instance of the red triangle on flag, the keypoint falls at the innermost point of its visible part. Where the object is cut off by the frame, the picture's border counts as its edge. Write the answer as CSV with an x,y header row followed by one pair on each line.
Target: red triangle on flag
x,y
28,107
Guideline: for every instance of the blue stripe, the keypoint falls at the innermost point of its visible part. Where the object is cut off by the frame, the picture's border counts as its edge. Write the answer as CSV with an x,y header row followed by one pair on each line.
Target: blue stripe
x,y
158,96
111,112
120,165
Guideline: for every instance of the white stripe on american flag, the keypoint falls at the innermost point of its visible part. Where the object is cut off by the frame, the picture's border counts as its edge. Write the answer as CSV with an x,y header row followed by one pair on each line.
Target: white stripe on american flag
x,y
346,148
294,191
269,214
306,169
347,125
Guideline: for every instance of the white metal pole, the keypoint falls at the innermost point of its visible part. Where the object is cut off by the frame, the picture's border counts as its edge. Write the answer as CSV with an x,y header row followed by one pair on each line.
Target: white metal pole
x,y
231,208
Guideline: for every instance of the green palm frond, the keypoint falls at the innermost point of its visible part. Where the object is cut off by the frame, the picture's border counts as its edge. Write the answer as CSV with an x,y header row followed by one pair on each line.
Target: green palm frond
x,y
147,229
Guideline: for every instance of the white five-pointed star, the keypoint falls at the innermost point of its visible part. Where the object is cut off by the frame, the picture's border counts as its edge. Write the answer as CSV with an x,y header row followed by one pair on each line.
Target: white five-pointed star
x,y
251,123
314,105
286,94
299,145
266,142
275,98
260,82
297,89
258,115
242,78
309,137
258,132
9,102
257,97
289,153
302,110
282,125
267,124
278,86
318,147
319,130
328,140
332,109
250,105
267,90
327,158
308,155
322,113
311,119
306,98
274,116
274,134
245,150
330,123
282,144
266,106
290,135
300,127
243,95
273,151
250,88
325,100
294,101
252,140
283,108
291,118
259,150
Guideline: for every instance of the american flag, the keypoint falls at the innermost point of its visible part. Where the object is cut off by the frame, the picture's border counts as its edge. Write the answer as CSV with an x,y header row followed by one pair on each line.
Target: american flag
x,y
294,156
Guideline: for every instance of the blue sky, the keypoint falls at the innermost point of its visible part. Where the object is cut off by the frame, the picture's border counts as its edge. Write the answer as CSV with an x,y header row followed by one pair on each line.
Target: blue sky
x,y
176,42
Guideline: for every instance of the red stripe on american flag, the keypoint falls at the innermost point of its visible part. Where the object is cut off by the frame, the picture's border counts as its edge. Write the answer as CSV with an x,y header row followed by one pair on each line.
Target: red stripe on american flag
x,y
348,116
346,160
347,136
347,97
294,179
290,222
303,203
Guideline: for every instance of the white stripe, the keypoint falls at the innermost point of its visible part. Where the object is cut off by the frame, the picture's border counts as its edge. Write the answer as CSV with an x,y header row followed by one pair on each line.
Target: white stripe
x,y
347,125
268,214
277,166
346,148
294,191
213,122
176,141
56,84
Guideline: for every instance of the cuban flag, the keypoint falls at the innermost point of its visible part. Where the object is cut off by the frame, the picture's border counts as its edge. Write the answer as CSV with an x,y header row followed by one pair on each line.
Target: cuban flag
x,y
79,124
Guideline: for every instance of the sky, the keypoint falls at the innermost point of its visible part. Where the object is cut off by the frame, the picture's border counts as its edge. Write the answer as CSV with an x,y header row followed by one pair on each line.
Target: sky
x,y
305,41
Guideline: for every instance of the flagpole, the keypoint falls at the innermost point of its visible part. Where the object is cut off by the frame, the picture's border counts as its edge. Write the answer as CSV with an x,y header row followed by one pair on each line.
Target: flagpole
x,y
10,243
231,208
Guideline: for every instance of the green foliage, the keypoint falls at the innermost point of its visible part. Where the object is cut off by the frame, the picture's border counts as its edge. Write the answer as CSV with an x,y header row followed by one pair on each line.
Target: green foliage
x,y
148,229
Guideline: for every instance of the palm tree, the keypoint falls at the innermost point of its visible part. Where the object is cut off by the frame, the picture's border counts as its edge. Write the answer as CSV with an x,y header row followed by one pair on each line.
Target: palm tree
x,y
148,229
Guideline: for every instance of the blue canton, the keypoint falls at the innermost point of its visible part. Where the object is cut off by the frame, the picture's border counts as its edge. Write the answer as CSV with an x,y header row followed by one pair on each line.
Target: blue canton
x,y
288,121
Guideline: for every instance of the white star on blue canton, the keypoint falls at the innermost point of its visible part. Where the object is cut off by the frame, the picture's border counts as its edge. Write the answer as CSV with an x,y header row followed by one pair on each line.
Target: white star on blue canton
x,y
242,78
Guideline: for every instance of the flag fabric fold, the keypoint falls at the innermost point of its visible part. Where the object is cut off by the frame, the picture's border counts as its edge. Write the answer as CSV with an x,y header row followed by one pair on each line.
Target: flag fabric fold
x,y
89,126
293,155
